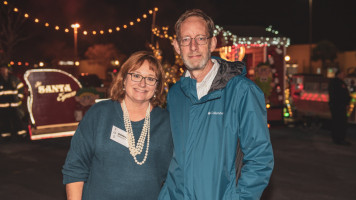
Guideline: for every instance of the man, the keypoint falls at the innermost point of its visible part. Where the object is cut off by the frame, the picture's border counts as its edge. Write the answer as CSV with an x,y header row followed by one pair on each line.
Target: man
x,y
339,99
11,94
222,148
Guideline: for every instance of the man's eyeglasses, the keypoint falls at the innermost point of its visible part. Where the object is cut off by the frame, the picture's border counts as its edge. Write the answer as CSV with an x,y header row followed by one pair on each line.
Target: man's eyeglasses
x,y
199,39
137,78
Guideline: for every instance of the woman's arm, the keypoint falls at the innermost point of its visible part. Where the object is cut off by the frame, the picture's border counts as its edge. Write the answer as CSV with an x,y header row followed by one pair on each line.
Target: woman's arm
x,y
74,190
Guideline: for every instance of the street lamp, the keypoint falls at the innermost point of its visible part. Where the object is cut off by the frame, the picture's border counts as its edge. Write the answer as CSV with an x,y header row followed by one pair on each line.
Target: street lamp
x,y
75,27
310,33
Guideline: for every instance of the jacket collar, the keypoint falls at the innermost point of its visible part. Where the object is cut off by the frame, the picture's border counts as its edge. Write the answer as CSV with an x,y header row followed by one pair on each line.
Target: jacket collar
x,y
227,71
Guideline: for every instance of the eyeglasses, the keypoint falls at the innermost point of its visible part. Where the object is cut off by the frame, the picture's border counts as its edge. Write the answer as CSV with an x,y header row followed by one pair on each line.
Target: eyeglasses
x,y
148,80
199,39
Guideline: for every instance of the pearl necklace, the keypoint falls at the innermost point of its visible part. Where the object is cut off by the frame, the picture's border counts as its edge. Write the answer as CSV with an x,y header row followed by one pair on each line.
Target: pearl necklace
x,y
134,151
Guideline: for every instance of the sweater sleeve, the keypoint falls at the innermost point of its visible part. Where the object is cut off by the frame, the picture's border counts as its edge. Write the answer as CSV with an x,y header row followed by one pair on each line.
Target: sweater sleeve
x,y
79,157
255,144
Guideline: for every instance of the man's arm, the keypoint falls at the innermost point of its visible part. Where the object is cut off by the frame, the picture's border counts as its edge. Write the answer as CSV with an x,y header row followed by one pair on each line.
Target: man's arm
x,y
74,190
255,144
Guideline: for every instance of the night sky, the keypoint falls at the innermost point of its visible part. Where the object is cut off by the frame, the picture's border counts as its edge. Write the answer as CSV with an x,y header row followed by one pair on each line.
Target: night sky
x,y
333,20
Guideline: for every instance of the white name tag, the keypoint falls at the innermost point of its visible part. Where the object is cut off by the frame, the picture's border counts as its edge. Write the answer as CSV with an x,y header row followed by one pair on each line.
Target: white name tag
x,y
119,136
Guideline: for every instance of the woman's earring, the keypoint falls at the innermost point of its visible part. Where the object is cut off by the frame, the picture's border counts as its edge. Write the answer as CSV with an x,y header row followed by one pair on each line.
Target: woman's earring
x,y
154,96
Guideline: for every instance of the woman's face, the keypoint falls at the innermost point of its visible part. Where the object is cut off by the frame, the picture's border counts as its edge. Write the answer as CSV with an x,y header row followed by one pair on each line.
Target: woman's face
x,y
140,91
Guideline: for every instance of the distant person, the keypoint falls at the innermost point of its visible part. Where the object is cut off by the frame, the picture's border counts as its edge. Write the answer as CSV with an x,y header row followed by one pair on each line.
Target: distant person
x,y
222,147
123,146
11,113
339,99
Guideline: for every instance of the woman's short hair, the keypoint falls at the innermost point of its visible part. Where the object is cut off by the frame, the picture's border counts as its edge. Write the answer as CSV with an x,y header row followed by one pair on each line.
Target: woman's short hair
x,y
135,61
195,13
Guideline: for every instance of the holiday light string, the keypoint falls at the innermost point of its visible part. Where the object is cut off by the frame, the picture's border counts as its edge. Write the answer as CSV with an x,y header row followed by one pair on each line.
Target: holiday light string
x,y
251,41
157,32
229,37
269,29
118,28
36,20
85,32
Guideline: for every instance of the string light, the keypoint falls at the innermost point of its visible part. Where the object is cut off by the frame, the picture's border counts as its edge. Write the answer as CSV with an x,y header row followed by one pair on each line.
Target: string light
x,y
352,103
27,16
118,28
270,29
287,112
19,63
227,38
85,32
157,32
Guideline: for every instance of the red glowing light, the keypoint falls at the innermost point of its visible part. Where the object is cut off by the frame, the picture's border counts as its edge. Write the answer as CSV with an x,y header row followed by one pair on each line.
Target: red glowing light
x,y
315,97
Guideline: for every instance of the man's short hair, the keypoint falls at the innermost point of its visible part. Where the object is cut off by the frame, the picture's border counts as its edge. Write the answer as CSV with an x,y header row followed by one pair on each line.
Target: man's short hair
x,y
195,13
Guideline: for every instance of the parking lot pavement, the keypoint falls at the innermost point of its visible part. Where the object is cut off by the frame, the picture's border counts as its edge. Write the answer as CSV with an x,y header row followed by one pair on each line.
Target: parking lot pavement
x,y
31,170
308,166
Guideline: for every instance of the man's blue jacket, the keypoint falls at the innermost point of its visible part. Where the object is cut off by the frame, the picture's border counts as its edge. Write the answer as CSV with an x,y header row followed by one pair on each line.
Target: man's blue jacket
x,y
222,148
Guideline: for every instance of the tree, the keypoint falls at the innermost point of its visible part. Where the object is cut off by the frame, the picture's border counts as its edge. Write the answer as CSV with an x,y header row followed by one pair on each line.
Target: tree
x,y
11,31
325,51
104,54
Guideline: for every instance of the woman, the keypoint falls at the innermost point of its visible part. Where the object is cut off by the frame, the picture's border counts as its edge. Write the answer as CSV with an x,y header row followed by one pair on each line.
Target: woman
x,y
123,146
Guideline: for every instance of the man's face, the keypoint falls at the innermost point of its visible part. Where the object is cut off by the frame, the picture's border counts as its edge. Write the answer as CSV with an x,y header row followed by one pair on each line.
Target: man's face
x,y
195,56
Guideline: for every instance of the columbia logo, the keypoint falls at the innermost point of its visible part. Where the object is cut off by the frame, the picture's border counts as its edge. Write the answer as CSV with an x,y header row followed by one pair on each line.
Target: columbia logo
x,y
215,113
